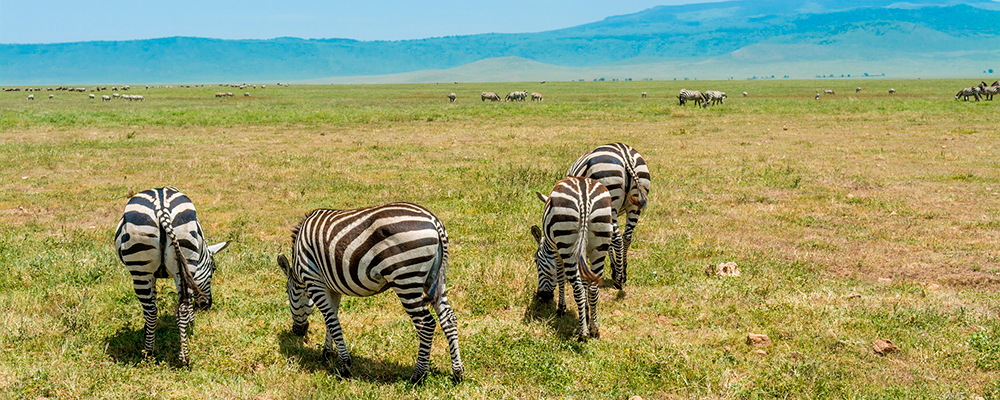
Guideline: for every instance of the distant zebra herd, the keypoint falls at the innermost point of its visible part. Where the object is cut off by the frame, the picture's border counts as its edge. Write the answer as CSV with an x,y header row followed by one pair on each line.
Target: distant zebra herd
x,y
710,97
979,91
401,247
512,96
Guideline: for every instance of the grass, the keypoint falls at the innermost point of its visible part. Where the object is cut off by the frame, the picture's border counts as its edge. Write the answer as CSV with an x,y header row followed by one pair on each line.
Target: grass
x,y
894,198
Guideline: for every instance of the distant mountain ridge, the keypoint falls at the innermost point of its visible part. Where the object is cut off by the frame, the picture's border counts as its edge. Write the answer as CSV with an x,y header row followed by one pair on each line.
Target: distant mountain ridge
x,y
737,31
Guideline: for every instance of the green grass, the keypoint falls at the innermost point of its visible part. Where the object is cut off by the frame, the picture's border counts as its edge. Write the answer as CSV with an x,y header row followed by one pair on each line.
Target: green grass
x,y
894,198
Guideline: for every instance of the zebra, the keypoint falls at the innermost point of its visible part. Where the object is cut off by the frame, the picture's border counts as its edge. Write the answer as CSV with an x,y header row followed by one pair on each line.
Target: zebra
x,y
623,171
857,89
989,91
491,96
451,97
745,94
91,96
714,97
158,233
828,91
573,243
363,252
30,97
969,91
644,95
686,95
892,91
535,96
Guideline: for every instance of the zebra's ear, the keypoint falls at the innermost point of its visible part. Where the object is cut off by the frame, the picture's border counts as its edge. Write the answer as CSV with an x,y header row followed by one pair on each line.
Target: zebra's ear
x,y
283,263
216,248
542,197
536,232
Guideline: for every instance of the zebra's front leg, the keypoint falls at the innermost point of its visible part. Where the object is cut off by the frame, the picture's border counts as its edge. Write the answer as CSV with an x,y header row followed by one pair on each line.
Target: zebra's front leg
x,y
448,324
185,314
328,303
424,322
580,295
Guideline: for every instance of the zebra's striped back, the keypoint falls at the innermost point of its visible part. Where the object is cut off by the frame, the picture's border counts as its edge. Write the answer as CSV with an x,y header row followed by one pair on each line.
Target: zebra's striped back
x,y
573,243
159,236
363,252
623,171
688,95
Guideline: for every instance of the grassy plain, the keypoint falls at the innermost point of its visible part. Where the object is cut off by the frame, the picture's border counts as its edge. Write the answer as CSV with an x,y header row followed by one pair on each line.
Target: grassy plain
x,y
893,198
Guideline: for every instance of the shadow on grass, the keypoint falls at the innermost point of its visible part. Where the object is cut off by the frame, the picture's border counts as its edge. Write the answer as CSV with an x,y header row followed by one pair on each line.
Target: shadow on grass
x,y
544,310
126,344
310,359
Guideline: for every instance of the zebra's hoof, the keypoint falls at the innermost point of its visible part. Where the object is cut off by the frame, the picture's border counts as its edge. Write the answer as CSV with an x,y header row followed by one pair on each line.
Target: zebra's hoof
x,y
300,330
344,372
328,355
561,311
458,376
581,339
418,377
594,333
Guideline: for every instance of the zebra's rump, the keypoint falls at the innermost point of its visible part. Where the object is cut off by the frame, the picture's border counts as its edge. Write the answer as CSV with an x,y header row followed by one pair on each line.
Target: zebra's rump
x,y
618,167
140,241
363,252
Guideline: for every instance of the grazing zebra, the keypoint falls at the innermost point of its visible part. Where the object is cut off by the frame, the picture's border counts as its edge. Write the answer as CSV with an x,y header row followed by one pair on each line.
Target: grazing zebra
x,y
624,173
91,96
452,97
516,96
30,97
686,95
714,97
51,96
745,94
828,91
363,252
969,91
857,89
573,243
535,96
990,91
246,94
491,96
892,91
105,98
644,95
159,236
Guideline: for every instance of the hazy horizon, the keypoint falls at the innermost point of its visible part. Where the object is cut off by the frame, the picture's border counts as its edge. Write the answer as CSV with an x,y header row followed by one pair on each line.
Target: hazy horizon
x,y
118,20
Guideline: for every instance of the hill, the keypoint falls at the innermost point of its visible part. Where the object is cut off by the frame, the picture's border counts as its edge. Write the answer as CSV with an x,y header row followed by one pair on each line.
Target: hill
x,y
834,33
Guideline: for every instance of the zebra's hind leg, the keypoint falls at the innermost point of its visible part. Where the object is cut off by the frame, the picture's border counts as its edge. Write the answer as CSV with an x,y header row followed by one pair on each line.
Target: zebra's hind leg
x,y
185,313
328,303
617,258
424,322
592,292
580,295
145,289
561,285
447,319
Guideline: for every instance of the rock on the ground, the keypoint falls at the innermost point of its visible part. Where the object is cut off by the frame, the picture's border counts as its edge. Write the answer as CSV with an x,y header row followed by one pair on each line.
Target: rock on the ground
x,y
884,346
756,340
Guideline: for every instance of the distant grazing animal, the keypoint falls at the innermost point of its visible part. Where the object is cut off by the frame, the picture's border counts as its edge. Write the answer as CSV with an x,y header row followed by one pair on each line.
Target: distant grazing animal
x,y
491,96
220,94
828,91
452,97
246,94
644,95
535,96
573,243
229,94
91,96
714,97
515,96
30,97
690,95
363,252
817,96
116,95
892,91
623,171
51,96
159,236
105,98
857,89
745,94
969,91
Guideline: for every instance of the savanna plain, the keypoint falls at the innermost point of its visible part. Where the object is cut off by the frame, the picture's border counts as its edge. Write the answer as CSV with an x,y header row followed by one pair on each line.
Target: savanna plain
x,y
853,218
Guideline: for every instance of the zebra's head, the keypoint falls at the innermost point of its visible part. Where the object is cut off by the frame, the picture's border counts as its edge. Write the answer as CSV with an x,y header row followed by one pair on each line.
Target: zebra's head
x,y
203,275
298,301
545,261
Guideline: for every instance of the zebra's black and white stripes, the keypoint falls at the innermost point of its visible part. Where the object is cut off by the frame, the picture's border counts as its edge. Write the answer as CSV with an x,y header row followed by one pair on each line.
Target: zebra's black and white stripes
x,y
573,243
363,252
159,236
690,95
622,170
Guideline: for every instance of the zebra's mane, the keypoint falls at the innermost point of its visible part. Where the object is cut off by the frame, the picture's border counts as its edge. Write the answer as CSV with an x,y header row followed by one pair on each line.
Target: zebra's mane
x,y
298,226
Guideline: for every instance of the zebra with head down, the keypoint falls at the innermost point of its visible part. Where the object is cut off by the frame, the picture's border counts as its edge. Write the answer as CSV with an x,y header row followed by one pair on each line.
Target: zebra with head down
x,y
969,91
688,95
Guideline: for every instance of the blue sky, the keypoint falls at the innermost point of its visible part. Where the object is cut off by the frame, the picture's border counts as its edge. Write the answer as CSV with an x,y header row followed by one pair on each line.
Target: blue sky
x,y
48,21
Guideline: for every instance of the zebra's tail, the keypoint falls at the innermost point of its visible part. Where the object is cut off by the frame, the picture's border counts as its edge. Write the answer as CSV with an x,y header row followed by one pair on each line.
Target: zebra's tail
x,y
182,267
581,256
434,285
643,196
